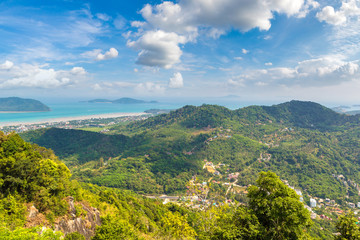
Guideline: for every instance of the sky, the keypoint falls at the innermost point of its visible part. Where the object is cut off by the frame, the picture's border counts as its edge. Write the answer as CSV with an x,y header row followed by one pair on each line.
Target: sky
x,y
245,50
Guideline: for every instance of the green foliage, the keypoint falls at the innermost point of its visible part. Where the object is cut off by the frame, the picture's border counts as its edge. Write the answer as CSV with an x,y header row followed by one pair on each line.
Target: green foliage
x,y
278,209
348,227
30,174
74,236
35,233
113,228
175,226
86,145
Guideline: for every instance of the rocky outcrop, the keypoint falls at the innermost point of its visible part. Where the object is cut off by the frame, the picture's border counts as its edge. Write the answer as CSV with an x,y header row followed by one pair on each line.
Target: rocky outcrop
x,y
35,218
85,224
84,221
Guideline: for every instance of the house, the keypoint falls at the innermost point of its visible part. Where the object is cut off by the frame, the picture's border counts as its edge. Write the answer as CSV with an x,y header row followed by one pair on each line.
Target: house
x,y
312,203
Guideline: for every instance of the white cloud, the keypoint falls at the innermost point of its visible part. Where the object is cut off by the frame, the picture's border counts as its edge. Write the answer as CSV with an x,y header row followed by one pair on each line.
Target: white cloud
x,y
103,16
176,81
349,9
78,71
238,58
119,22
329,15
35,76
112,53
261,84
91,54
345,34
48,36
184,20
6,65
244,51
325,71
97,87
149,88
158,49
268,64
236,83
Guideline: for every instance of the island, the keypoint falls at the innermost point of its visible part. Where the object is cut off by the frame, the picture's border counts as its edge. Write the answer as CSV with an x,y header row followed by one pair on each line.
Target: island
x,y
16,104
121,101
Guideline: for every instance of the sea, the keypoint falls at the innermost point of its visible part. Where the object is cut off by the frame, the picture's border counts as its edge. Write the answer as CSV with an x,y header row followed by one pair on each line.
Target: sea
x,y
82,108
76,109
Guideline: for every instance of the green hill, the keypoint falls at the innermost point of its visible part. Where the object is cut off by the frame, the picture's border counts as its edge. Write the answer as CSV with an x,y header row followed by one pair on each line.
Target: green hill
x,y
305,143
39,201
15,104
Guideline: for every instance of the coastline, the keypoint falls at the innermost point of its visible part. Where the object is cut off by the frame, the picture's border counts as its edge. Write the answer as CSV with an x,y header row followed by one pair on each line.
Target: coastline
x,y
74,118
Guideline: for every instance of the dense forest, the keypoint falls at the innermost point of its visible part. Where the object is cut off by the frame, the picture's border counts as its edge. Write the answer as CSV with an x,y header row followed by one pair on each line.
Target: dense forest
x,y
305,143
32,177
241,165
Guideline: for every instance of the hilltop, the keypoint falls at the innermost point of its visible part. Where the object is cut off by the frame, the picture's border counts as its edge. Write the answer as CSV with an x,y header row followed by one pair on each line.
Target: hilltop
x,y
15,104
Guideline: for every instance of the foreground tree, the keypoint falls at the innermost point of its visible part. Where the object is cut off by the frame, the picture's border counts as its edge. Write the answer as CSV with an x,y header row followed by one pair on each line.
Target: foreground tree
x,y
278,209
348,228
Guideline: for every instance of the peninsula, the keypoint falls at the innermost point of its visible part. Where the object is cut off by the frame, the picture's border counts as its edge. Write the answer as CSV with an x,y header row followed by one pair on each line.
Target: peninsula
x,y
16,104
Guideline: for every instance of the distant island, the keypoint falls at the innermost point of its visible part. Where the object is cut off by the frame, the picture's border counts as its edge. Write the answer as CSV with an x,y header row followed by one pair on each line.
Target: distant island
x,y
16,104
121,101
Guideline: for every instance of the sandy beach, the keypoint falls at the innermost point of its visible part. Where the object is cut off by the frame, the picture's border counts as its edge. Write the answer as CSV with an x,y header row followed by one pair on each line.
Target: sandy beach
x,y
66,119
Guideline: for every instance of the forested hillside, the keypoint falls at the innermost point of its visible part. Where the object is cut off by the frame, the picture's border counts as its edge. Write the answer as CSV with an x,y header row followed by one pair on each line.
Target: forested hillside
x,y
305,143
38,201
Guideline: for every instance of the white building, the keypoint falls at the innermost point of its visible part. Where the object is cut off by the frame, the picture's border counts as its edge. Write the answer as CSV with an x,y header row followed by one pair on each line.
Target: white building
x,y
312,202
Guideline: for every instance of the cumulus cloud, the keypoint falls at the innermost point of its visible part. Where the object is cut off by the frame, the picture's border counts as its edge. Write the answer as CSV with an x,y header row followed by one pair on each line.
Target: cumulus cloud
x,y
329,15
171,24
349,9
6,65
158,48
325,71
176,81
112,53
78,71
35,76
268,64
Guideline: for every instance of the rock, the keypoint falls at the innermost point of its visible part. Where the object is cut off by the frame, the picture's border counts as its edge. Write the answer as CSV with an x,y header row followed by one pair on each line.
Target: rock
x,y
33,212
83,225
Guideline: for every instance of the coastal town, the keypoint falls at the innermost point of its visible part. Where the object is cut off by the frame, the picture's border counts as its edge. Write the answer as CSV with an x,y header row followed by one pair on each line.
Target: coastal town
x,y
98,122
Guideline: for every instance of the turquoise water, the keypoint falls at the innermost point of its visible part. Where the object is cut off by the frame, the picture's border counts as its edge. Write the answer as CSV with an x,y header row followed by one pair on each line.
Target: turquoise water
x,y
81,109
74,109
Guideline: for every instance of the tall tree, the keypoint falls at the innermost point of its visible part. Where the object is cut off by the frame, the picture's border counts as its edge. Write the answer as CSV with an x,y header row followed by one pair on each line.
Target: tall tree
x,y
278,209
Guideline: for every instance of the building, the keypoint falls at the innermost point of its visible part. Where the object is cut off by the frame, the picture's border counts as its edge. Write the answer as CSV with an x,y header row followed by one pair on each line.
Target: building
x,y
312,202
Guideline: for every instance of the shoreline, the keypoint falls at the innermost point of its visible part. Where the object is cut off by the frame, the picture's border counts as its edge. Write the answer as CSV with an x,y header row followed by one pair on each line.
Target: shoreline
x,y
74,118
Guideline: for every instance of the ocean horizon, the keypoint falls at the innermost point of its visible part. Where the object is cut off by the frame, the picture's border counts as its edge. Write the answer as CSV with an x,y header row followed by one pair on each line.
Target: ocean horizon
x,y
77,109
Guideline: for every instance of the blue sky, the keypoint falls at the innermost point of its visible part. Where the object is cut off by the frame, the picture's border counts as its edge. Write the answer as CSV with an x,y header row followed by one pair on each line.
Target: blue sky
x,y
246,50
